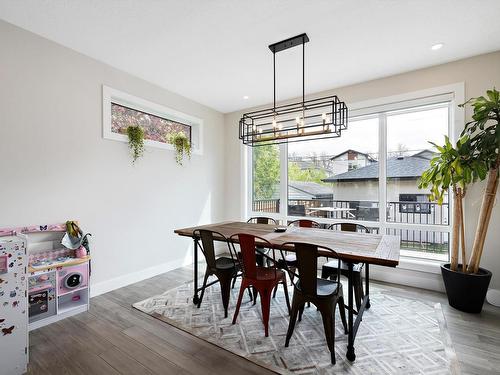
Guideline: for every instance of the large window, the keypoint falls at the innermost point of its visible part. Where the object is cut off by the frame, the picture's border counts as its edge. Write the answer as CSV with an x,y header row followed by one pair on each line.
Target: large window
x,y
369,175
336,178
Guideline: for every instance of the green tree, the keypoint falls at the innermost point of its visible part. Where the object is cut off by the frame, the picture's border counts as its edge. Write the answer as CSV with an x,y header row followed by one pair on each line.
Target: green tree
x,y
295,173
266,171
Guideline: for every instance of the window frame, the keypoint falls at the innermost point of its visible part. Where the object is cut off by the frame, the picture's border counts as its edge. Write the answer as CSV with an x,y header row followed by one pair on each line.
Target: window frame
x,y
452,94
112,96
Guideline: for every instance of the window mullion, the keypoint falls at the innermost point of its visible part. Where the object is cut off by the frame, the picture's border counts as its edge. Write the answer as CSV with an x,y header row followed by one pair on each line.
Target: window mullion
x,y
283,181
382,181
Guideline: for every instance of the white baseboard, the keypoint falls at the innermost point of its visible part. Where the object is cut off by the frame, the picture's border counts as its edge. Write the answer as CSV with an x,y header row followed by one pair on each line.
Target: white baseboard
x,y
131,278
417,279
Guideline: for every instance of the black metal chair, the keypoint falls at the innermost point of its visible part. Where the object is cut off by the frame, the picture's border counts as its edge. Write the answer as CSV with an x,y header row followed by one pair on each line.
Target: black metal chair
x,y
329,269
324,294
290,260
224,268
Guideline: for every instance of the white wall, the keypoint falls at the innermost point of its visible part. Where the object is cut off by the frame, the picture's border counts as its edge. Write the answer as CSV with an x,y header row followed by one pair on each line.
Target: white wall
x,y
55,165
479,74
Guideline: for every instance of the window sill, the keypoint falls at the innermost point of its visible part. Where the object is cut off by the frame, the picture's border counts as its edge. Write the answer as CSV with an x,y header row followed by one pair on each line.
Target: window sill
x,y
420,265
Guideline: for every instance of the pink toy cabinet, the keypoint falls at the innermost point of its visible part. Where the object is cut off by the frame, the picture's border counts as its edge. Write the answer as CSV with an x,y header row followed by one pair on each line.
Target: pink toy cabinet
x,y
13,306
58,280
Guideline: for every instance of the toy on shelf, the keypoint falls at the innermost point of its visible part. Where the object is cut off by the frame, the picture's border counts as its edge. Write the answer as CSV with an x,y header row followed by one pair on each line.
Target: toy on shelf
x,y
58,270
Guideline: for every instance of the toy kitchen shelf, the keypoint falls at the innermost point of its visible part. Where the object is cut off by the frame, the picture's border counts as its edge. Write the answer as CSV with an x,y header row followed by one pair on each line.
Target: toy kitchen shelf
x,y
58,281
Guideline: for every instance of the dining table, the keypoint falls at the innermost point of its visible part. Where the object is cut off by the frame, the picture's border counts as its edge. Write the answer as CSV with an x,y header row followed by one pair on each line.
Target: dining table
x,y
351,247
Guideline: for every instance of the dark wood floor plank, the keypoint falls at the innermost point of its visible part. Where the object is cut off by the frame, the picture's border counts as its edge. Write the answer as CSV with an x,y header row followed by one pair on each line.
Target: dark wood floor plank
x,y
123,363
154,362
114,338
165,349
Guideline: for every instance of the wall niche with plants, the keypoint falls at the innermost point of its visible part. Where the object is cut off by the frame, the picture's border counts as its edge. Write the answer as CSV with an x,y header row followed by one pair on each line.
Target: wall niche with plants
x,y
141,123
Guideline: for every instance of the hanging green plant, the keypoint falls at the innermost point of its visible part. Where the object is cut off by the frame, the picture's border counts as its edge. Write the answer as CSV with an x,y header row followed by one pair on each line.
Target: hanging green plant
x,y
136,141
181,144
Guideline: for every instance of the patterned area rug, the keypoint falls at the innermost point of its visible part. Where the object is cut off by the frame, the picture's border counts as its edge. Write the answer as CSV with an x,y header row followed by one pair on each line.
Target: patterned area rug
x,y
397,336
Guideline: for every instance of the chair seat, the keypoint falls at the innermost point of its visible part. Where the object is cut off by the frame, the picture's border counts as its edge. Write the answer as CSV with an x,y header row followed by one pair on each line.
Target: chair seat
x,y
343,266
264,273
325,288
224,263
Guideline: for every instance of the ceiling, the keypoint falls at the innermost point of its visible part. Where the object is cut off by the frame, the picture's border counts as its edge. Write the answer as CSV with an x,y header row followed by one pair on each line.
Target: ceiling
x,y
215,51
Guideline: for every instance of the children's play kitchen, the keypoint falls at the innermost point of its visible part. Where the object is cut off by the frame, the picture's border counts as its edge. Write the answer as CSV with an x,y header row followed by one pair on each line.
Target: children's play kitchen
x,y
44,277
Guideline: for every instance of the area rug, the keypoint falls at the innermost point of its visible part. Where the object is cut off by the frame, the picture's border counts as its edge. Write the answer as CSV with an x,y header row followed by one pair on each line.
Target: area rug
x,y
397,335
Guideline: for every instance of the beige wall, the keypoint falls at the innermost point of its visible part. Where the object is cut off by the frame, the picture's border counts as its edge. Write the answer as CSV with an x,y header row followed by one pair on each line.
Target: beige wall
x,y
55,165
479,74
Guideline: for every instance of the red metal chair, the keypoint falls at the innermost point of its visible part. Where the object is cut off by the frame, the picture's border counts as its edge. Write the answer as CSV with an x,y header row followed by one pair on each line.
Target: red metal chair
x,y
262,279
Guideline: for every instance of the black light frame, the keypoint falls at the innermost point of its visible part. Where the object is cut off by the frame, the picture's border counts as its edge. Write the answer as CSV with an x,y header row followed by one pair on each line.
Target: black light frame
x,y
328,118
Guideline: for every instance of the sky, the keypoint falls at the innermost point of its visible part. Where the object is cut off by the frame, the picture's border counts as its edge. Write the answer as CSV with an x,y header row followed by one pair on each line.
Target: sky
x,y
412,131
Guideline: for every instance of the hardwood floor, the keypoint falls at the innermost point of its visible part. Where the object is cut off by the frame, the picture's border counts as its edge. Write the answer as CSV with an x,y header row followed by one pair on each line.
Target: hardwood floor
x,y
114,338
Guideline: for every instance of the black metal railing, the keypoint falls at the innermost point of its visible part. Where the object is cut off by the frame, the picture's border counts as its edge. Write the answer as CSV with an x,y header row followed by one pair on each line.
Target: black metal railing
x,y
397,211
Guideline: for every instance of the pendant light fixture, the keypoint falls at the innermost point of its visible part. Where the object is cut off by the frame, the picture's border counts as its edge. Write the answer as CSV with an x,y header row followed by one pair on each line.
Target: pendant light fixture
x,y
318,118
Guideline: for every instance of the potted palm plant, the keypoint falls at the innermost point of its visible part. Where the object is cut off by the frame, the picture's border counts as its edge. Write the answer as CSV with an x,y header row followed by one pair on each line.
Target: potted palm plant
x,y
475,157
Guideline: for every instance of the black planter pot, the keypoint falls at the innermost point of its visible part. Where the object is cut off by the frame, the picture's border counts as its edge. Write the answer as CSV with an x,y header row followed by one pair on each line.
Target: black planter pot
x,y
466,292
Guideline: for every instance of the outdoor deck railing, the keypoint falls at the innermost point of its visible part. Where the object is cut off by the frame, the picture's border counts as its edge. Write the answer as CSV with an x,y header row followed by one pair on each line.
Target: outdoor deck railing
x,y
436,242
397,212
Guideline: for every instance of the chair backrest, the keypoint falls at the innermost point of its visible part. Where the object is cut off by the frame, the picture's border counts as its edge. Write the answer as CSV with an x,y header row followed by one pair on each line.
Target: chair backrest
x,y
307,264
207,244
262,220
248,257
304,223
349,227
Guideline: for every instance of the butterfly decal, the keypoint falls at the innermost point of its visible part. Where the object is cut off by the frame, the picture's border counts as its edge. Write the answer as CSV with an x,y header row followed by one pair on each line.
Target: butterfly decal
x,y
7,331
43,227
1,281
2,320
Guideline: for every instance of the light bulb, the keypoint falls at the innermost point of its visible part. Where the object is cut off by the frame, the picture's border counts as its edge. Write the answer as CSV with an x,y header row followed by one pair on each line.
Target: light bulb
x,y
297,119
323,116
280,126
274,124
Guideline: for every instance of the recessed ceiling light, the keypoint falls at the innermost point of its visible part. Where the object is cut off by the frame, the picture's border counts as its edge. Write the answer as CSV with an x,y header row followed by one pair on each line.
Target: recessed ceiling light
x,y
437,46
245,97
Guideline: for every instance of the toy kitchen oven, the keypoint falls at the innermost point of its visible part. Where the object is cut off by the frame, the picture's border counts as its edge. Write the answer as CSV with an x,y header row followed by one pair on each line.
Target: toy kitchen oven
x,y
57,277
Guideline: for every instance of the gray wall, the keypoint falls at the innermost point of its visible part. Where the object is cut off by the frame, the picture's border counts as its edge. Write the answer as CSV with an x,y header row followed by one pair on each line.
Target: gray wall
x,y
55,165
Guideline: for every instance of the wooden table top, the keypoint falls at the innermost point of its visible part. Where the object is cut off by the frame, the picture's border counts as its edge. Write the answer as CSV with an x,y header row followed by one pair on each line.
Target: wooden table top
x,y
356,247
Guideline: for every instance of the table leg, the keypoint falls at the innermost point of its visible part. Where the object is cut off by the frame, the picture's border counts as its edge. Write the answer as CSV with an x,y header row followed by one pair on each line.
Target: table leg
x,y
195,276
351,334
367,285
